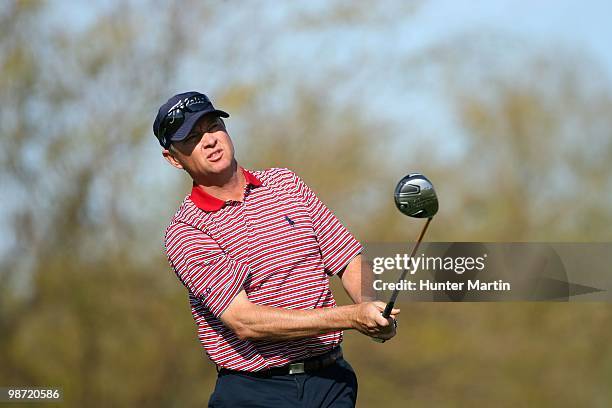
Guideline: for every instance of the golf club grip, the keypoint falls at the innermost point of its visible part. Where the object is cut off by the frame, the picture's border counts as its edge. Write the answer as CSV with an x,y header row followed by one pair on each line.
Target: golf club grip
x,y
388,309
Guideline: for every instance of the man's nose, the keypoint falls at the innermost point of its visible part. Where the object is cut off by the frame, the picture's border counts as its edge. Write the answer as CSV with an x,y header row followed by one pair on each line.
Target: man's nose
x,y
209,140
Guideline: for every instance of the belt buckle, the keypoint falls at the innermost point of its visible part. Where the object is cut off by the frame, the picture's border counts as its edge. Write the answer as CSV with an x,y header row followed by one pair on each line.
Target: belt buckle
x,y
296,368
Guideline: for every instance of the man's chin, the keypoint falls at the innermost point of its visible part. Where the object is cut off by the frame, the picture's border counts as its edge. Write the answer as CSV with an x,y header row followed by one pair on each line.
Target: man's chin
x,y
222,166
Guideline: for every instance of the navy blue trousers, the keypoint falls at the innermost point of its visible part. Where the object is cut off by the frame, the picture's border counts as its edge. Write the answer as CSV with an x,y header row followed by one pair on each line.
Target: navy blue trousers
x,y
334,386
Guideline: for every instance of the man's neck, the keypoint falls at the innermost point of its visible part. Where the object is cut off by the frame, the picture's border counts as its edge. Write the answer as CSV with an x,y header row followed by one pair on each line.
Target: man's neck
x,y
228,185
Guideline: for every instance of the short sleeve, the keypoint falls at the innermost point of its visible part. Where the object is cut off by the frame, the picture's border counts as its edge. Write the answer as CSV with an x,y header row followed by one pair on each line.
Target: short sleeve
x,y
203,267
338,246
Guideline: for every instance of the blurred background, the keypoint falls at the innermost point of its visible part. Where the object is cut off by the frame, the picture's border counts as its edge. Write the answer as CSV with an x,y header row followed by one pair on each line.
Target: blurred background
x,y
506,106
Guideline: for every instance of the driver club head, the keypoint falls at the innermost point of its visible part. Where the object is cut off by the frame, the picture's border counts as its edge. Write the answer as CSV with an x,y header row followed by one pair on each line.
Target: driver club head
x,y
415,196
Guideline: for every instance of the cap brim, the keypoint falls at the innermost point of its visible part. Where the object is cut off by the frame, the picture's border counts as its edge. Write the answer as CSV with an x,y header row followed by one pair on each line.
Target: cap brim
x,y
185,129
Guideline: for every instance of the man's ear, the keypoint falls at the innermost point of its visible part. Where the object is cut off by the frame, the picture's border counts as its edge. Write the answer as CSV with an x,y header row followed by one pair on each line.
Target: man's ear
x,y
171,159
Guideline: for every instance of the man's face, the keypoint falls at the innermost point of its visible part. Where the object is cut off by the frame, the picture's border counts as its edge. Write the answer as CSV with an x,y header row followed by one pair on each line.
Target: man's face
x,y
207,150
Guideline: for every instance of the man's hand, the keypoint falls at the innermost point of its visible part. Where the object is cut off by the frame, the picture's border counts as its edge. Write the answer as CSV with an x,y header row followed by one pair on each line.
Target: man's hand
x,y
368,320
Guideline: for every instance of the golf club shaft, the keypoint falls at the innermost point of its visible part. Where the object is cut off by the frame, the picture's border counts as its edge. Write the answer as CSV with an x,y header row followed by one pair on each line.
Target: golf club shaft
x,y
393,298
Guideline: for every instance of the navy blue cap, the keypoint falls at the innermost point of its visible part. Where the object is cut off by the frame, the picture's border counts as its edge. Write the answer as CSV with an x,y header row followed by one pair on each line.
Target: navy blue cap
x,y
184,99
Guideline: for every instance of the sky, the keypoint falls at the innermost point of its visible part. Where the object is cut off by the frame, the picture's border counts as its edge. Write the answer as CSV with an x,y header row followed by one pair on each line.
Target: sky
x,y
581,24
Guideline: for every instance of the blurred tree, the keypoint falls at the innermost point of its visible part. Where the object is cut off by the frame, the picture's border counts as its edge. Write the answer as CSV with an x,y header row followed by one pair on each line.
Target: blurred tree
x,y
553,126
88,301
535,130
80,306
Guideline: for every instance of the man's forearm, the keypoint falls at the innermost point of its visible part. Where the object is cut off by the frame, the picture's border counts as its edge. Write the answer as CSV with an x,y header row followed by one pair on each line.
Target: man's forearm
x,y
357,282
256,322
271,323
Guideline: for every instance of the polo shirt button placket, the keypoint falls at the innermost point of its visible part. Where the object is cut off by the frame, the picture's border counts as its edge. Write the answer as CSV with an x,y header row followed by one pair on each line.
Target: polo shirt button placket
x,y
245,214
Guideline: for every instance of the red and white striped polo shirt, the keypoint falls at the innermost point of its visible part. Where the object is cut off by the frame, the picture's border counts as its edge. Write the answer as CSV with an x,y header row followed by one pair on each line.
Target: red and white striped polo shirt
x,y
280,244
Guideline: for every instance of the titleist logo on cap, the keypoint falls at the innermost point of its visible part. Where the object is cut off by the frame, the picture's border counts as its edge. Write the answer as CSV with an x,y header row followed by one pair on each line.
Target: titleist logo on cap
x,y
183,103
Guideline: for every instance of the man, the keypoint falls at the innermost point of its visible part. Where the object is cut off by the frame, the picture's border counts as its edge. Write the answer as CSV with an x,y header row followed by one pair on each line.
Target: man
x,y
255,250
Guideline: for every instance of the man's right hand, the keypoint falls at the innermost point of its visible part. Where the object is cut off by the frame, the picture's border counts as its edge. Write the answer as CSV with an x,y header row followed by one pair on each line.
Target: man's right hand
x,y
368,320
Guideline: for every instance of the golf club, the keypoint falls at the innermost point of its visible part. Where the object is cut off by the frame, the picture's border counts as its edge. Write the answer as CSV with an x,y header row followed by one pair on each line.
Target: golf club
x,y
415,197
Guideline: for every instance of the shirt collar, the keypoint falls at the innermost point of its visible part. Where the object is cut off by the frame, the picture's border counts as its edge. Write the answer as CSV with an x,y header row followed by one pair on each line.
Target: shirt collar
x,y
207,202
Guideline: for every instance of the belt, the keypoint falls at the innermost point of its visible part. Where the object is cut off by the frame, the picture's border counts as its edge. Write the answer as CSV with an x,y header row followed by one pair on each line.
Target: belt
x,y
298,367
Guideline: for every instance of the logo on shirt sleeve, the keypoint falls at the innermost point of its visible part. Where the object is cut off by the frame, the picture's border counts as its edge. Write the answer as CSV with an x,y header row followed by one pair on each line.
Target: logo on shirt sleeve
x,y
204,294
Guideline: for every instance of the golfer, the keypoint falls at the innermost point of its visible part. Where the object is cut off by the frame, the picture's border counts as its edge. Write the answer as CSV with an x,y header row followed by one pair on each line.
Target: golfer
x,y
255,250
